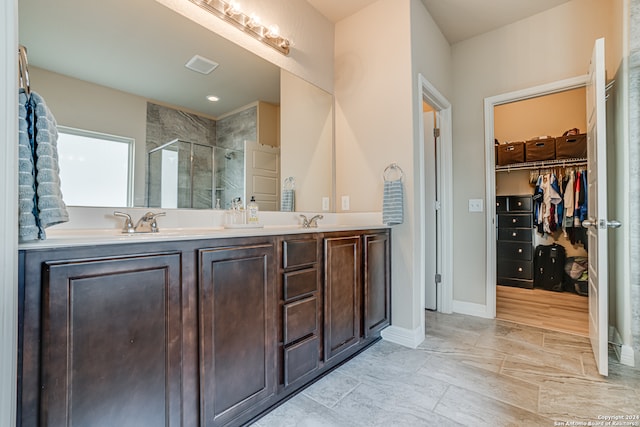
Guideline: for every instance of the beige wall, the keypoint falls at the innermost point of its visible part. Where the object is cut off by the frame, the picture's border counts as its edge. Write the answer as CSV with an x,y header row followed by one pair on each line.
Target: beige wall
x,y
513,57
82,105
544,115
377,107
307,140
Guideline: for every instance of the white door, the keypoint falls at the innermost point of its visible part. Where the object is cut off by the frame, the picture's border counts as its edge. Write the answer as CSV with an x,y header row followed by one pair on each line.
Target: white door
x,y
262,175
431,215
597,223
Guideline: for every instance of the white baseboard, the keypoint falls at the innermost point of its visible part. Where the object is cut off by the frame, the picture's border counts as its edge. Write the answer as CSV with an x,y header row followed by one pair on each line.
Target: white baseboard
x,y
624,352
471,309
402,336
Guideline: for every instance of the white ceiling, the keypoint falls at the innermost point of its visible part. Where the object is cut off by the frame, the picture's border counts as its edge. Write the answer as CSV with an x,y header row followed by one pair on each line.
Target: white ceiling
x,y
458,19
141,47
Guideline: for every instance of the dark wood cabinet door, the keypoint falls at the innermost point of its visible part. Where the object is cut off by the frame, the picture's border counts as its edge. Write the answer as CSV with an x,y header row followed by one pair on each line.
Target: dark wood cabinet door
x,y
377,290
111,342
342,286
237,330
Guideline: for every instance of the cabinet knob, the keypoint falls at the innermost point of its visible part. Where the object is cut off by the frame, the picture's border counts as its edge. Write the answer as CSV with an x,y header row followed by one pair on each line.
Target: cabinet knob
x,y
519,203
514,220
520,250
520,269
514,234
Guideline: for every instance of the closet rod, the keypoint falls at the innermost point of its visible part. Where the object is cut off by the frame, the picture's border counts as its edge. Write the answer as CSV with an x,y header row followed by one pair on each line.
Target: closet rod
x,y
541,164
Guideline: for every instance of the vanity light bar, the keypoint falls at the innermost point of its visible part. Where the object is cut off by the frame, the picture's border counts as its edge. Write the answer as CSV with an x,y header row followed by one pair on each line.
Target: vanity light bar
x,y
230,12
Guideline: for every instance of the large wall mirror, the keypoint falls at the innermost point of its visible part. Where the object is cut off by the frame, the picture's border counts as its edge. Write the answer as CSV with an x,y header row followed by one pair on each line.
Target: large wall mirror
x,y
115,70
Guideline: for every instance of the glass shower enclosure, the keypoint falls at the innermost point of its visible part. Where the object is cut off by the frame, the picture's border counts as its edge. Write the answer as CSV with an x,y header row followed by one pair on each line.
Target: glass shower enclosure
x,y
183,174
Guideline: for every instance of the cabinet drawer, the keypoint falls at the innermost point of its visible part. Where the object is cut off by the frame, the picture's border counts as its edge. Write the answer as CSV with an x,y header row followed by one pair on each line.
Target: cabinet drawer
x,y
520,283
515,250
519,204
298,283
301,359
298,253
300,319
501,204
515,234
514,221
515,269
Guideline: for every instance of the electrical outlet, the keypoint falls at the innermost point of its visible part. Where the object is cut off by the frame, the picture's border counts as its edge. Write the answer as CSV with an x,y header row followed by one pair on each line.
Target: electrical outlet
x,y
345,203
475,205
325,203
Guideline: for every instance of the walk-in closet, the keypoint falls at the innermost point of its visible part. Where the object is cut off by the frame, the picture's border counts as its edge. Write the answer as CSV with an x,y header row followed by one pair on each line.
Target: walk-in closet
x,y
541,199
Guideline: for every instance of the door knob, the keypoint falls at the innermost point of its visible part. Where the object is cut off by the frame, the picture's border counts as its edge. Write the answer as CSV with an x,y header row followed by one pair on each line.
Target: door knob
x,y
589,223
614,224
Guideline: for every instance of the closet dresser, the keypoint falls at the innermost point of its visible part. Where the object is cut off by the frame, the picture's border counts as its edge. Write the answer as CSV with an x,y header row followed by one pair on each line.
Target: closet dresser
x,y
514,217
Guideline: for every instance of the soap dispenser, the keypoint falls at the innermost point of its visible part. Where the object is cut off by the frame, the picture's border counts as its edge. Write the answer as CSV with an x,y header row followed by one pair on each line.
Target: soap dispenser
x,y
252,211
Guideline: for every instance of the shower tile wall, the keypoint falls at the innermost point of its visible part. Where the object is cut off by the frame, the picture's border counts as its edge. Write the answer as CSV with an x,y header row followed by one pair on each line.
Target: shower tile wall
x,y
165,124
232,131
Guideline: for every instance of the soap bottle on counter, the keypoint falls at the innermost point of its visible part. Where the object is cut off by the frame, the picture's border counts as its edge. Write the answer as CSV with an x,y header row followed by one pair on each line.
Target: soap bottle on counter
x,y
252,212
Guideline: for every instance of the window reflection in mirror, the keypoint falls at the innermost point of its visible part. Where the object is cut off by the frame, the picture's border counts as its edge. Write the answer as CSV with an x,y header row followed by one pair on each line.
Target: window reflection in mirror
x,y
95,168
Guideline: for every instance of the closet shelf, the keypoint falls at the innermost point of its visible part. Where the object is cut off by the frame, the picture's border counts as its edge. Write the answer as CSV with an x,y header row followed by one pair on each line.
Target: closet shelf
x,y
541,164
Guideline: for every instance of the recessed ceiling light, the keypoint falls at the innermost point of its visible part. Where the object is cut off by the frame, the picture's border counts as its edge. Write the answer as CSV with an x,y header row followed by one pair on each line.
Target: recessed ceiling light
x,y
212,98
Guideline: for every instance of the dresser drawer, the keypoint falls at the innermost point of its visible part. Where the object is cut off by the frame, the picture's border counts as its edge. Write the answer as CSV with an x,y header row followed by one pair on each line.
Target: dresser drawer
x,y
515,234
515,250
519,203
300,319
299,283
299,253
514,220
515,269
501,204
301,359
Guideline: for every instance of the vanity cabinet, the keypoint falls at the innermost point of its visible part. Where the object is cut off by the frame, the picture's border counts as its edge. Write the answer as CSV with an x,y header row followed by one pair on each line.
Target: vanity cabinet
x,y
300,308
106,348
376,280
203,332
237,330
342,294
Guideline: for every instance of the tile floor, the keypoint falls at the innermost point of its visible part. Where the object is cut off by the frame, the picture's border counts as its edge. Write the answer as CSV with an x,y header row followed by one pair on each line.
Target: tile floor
x,y
469,372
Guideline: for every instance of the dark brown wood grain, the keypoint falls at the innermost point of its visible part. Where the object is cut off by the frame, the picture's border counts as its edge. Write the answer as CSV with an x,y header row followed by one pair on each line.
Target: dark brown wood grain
x,y
377,278
237,330
342,290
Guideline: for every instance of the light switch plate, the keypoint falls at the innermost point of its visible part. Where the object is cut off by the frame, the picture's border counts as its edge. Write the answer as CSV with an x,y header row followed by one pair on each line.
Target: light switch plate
x,y
475,205
345,203
325,204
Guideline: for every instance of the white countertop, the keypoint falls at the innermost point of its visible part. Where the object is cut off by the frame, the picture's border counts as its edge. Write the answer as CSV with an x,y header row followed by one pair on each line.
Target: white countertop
x,y
275,223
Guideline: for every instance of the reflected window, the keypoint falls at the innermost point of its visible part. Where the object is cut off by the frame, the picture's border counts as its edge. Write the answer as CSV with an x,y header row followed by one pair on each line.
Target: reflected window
x,y
96,169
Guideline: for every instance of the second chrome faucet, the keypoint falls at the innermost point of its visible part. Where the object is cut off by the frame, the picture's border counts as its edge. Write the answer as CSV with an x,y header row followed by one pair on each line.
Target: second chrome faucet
x,y
310,223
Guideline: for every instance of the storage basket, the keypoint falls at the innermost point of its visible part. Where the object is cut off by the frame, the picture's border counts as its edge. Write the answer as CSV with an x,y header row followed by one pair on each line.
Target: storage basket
x,y
540,149
571,146
512,152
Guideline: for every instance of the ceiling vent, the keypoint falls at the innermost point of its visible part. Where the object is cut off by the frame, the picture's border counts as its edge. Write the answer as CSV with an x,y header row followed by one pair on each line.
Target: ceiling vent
x,y
201,65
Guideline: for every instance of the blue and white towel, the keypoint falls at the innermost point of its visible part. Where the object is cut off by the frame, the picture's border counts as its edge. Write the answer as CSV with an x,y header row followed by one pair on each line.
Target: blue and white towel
x,y
40,203
27,224
51,208
288,201
393,201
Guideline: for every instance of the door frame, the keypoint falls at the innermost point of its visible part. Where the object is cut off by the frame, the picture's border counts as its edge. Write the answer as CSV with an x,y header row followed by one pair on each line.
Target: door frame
x,y
490,168
442,107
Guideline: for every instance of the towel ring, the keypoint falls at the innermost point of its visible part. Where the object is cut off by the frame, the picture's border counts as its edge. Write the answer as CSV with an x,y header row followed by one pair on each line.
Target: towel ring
x,y
392,169
289,183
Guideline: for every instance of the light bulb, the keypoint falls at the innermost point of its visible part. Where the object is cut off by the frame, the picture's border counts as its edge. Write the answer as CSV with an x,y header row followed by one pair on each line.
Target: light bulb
x,y
274,31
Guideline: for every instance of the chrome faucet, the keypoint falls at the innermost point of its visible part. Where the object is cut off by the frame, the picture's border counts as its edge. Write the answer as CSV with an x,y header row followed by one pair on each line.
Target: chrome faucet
x,y
146,224
310,223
